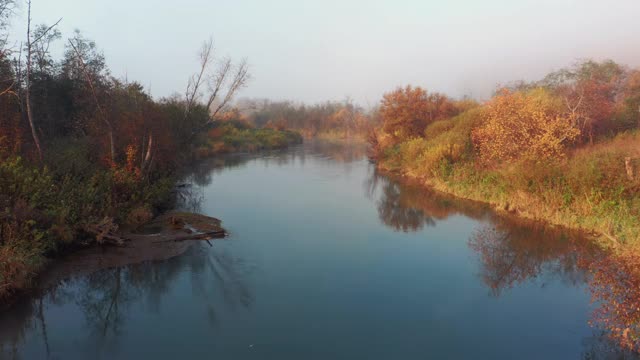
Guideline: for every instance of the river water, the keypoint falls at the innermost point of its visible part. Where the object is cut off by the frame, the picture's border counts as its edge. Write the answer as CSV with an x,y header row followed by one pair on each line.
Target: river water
x,y
326,259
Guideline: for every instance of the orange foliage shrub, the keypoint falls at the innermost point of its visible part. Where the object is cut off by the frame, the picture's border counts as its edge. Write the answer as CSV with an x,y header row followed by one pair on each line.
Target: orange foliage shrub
x,y
528,125
406,112
215,133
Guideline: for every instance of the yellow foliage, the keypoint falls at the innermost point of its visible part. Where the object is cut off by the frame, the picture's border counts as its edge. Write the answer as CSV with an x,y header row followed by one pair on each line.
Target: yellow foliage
x,y
529,125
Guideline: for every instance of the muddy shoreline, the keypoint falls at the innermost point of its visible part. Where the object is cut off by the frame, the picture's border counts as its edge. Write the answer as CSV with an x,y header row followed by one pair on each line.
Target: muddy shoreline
x,y
166,236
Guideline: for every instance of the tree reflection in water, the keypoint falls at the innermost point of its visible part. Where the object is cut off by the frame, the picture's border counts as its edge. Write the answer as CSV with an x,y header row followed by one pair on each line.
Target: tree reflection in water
x,y
615,286
512,251
203,172
409,207
511,254
106,298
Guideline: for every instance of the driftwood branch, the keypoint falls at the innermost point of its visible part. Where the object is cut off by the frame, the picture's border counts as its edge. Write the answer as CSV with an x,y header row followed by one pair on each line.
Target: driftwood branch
x,y
105,232
201,236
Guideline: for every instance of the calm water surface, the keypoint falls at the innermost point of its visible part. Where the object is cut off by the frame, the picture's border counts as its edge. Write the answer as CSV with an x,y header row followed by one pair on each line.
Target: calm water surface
x,y
326,260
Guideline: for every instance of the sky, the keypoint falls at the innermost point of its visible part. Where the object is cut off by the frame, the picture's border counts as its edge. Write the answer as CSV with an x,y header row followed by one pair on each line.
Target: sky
x,y
314,51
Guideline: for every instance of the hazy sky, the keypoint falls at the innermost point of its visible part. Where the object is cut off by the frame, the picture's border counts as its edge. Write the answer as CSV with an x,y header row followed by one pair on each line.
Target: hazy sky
x,y
326,50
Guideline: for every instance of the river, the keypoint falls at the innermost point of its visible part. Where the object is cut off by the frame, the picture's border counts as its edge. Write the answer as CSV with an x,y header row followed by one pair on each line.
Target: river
x,y
326,259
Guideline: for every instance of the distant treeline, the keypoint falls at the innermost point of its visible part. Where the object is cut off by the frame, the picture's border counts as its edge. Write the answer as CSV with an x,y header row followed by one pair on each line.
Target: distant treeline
x,y
330,119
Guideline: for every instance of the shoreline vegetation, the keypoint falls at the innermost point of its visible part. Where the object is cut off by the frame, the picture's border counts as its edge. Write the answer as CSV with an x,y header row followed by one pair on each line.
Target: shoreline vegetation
x,y
564,150
528,150
87,158
503,197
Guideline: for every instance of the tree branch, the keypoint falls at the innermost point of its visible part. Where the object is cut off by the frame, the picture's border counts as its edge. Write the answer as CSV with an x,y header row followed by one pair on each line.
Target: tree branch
x,y
44,33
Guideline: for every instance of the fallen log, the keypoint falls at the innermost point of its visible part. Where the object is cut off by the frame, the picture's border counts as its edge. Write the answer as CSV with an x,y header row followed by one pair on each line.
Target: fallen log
x,y
201,236
105,231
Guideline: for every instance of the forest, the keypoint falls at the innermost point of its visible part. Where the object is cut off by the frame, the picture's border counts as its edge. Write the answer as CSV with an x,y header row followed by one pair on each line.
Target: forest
x,y
84,153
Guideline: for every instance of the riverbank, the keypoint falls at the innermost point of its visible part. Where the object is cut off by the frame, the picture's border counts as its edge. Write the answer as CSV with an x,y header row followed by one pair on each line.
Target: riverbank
x,y
382,234
166,236
610,221
587,191
239,136
50,214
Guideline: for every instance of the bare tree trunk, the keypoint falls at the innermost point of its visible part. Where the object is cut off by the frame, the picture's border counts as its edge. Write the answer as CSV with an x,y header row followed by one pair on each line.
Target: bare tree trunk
x,y
9,89
34,133
112,145
628,164
193,87
144,141
95,98
146,162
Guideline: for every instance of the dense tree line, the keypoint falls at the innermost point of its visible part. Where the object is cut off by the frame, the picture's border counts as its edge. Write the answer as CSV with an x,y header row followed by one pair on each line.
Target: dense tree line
x,y
575,106
83,153
334,119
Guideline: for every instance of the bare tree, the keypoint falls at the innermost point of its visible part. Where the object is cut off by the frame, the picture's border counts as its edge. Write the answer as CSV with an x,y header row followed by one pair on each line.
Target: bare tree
x,y
31,44
192,93
240,77
6,9
223,84
40,49
101,112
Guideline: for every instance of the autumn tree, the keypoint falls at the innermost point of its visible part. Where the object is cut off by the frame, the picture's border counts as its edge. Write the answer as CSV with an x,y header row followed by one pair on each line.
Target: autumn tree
x,y
531,125
348,118
630,102
588,91
406,112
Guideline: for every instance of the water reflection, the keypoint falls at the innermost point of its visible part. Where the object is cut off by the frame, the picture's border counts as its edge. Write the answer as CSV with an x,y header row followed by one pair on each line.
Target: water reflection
x,y
331,153
108,299
343,298
615,286
512,251
409,207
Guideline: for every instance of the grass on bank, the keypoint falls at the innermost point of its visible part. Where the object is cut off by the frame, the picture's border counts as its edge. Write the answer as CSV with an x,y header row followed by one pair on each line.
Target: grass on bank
x,y
588,189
